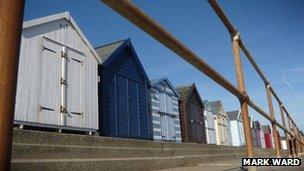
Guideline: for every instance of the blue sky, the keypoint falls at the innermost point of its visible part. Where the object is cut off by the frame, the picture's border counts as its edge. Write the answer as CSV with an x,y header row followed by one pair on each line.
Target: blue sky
x,y
272,30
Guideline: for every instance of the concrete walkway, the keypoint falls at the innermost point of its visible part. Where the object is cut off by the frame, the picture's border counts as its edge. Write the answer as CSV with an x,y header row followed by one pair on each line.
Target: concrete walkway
x,y
233,165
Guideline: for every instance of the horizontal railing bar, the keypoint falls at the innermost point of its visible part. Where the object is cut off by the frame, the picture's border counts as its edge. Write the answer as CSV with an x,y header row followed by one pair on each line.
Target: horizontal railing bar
x,y
218,10
254,64
144,22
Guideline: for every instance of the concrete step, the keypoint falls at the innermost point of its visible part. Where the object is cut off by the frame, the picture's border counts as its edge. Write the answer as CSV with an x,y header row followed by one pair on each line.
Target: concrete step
x,y
54,138
132,164
39,151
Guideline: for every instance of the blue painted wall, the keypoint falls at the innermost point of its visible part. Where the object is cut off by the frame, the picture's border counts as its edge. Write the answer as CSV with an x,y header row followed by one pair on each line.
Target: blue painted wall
x,y
124,97
165,112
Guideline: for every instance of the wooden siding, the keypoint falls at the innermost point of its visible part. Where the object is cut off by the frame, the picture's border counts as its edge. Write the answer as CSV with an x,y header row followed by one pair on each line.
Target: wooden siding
x,y
168,107
31,78
126,66
210,126
192,119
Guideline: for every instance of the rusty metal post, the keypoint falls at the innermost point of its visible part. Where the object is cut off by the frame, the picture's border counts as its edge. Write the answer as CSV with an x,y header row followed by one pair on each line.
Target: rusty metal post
x,y
296,142
284,125
11,17
291,138
274,127
244,102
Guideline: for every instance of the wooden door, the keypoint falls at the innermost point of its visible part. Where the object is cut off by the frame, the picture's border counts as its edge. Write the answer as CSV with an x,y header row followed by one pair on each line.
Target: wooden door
x,y
196,122
49,93
75,89
133,109
122,106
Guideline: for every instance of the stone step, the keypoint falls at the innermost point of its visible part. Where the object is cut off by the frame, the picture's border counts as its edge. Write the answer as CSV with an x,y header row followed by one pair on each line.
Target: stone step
x,y
54,138
126,164
38,151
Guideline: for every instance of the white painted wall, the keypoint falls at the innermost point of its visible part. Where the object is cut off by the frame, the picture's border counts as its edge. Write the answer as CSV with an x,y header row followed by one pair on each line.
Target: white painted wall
x,y
39,76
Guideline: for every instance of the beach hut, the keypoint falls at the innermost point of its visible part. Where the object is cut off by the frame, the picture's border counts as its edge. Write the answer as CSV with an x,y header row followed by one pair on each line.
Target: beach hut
x,y
165,112
256,127
221,123
57,76
267,136
236,125
191,110
209,114
124,93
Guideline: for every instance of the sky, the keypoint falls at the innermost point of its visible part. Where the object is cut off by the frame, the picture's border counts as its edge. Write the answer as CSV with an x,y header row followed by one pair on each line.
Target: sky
x,y
272,30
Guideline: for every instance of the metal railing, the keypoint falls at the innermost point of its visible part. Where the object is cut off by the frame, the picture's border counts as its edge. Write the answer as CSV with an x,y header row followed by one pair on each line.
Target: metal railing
x,y
11,15
129,11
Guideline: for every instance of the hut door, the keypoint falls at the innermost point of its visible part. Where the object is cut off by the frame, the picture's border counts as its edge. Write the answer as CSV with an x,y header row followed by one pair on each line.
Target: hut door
x,y
196,123
167,127
75,89
49,93
167,120
122,106
133,113
127,107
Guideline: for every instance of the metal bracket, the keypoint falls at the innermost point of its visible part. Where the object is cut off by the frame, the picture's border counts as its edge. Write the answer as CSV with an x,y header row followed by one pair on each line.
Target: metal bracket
x,y
235,35
244,98
63,81
65,111
45,108
64,55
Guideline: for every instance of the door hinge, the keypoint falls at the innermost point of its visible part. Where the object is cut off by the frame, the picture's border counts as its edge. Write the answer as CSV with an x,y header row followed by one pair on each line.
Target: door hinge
x,y
63,81
45,108
65,111
64,55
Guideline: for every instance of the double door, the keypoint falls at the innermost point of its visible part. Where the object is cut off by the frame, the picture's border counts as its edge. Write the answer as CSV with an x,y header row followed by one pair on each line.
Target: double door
x,y
166,116
61,92
196,122
127,107
167,127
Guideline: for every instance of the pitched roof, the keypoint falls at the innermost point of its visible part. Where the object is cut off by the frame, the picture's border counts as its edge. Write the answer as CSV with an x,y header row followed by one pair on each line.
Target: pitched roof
x,y
64,15
233,115
184,90
216,105
105,51
109,52
209,106
154,82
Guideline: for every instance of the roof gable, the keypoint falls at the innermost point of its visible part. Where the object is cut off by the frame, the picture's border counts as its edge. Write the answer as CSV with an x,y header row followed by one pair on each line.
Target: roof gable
x,y
209,106
111,51
218,106
186,91
166,80
64,15
233,115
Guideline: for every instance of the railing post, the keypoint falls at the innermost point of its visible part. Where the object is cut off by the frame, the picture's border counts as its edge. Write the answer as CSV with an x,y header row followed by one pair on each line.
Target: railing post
x,y
244,102
297,143
11,17
291,138
274,127
284,125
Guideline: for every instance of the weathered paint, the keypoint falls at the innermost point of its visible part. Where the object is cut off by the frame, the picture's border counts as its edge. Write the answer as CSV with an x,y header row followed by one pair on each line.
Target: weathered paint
x,y
165,111
221,123
191,110
38,98
209,114
123,93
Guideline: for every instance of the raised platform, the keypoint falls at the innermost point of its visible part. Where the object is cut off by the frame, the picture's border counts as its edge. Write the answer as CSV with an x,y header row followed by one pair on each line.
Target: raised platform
x,y
37,150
